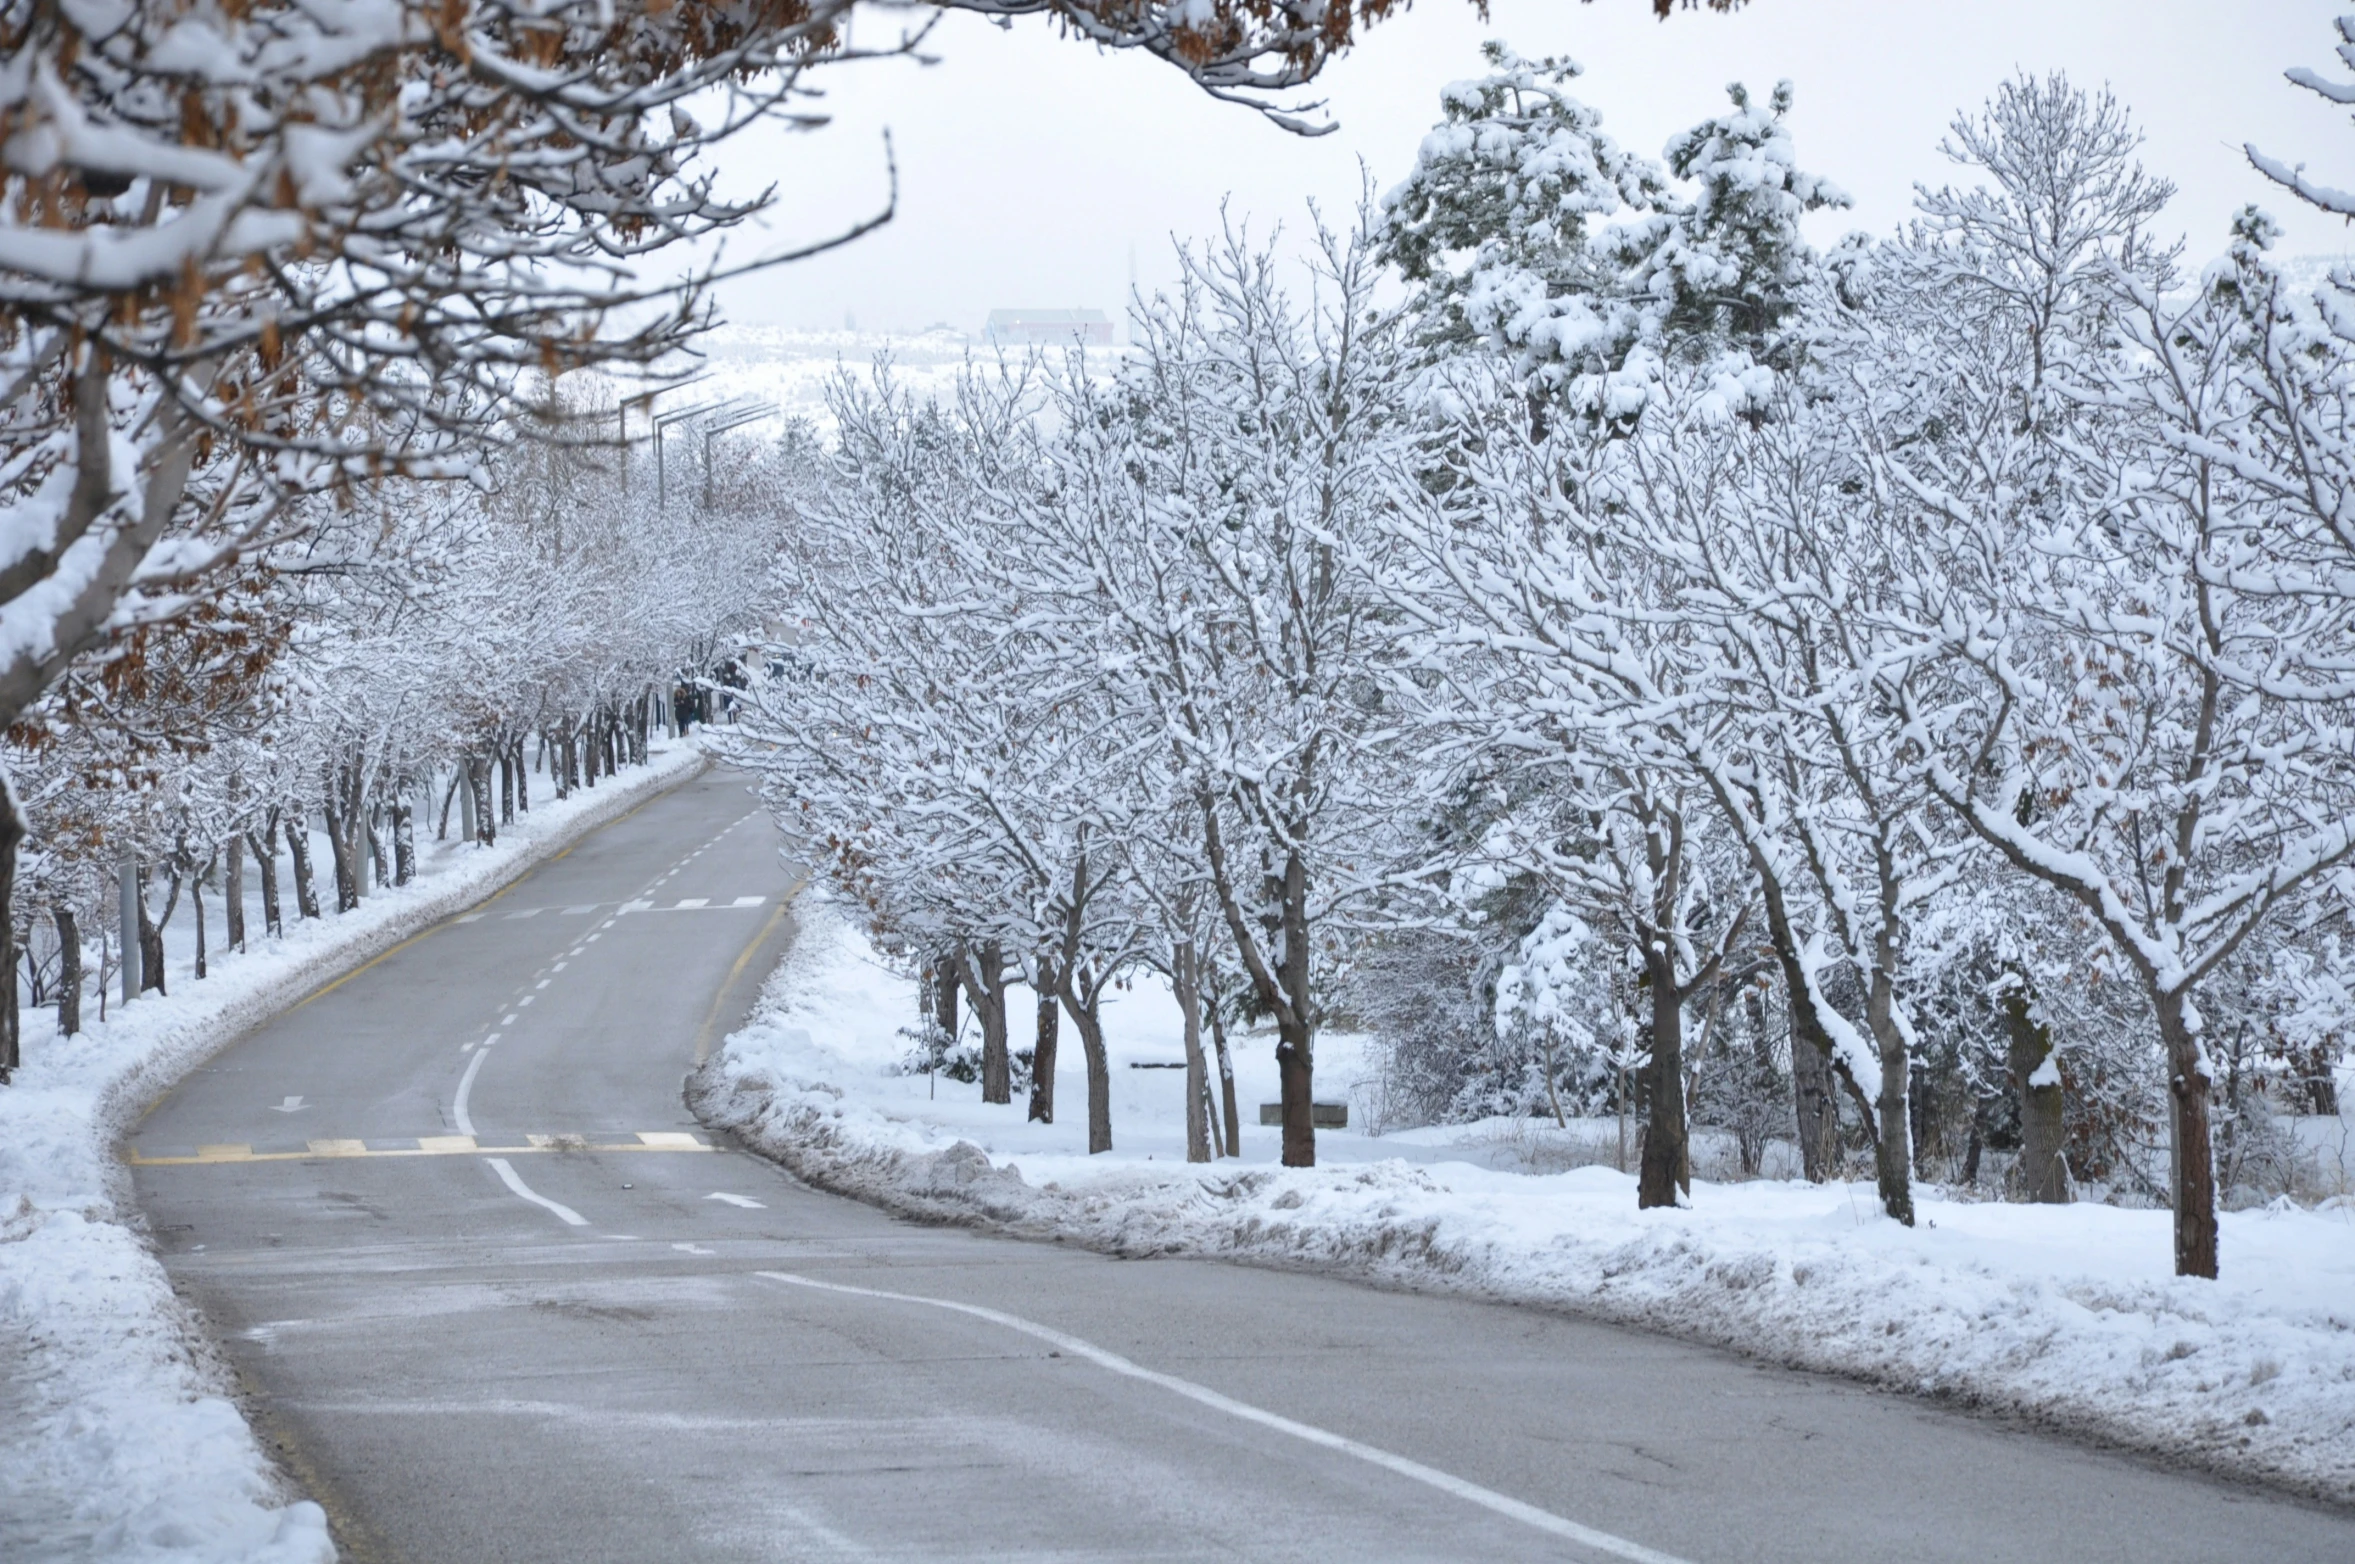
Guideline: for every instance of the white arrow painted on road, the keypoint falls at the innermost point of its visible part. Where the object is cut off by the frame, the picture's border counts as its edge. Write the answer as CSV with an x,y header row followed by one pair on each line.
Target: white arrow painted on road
x,y
738,1200
290,1105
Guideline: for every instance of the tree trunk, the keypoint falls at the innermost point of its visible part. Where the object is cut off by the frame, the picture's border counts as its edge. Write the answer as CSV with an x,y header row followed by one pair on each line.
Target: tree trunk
x,y
2036,1075
265,860
357,807
12,833
523,781
341,851
2195,1154
985,981
233,891
1893,1147
1226,1072
945,970
1664,1136
1184,982
298,852
928,1015
486,825
1811,1094
1296,1088
151,938
1083,1004
1042,1058
506,787
1295,1028
196,908
404,842
127,915
1808,1032
69,971
380,868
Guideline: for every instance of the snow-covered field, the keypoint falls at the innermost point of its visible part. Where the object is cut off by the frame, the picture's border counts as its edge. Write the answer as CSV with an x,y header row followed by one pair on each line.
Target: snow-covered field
x,y
118,1440
793,368
2069,1315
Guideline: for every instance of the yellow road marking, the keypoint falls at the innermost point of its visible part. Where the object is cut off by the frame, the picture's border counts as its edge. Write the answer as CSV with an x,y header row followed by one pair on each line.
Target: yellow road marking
x,y
427,1146
450,922
703,1032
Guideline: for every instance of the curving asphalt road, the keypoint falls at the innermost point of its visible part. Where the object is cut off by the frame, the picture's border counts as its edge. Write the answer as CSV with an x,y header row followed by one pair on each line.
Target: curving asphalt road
x,y
496,1296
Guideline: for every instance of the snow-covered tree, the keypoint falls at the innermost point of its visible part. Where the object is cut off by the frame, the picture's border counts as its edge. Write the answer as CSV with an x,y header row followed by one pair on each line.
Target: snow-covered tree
x,y
1500,228
2128,699
1217,504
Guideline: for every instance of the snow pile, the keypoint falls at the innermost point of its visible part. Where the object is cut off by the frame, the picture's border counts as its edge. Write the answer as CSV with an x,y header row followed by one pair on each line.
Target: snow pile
x,y
2066,1313
117,1440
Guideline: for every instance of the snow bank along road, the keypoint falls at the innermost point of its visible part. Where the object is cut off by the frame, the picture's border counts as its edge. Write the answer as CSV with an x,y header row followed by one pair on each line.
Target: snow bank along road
x,y
496,1297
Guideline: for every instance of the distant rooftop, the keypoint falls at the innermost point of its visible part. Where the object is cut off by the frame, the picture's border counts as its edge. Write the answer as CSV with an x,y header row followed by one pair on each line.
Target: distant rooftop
x,y
1048,328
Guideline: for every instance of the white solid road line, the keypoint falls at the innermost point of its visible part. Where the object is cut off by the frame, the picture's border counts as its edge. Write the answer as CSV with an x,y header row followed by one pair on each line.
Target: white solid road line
x,y
746,1201
564,1213
1487,1498
458,1114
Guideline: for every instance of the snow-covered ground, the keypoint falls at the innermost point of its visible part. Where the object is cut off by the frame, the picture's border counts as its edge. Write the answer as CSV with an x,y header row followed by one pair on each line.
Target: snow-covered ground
x,y
2069,1314
118,1440
793,368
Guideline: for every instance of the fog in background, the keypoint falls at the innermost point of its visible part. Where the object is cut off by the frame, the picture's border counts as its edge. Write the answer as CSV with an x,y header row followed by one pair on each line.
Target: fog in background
x,y
1032,168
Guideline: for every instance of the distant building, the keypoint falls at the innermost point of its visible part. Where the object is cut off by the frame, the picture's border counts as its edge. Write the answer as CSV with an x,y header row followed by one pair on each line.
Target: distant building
x,y
1048,329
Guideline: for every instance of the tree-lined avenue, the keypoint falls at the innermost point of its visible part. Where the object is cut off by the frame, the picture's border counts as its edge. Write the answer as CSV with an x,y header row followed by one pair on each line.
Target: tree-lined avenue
x,y
557,1322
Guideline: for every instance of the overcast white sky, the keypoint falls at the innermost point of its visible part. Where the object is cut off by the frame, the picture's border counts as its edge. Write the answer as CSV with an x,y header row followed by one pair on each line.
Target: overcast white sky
x,y
1031,167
